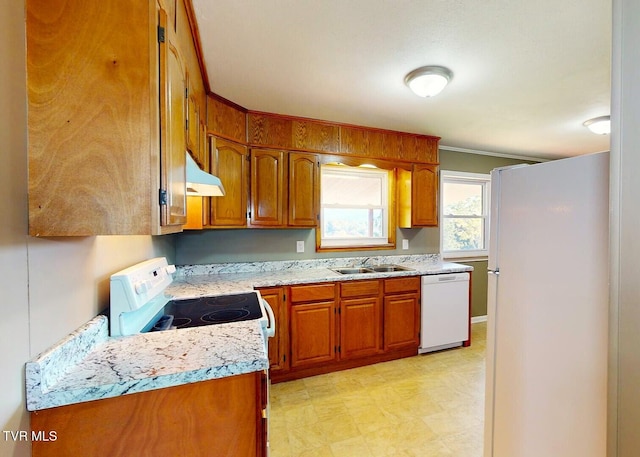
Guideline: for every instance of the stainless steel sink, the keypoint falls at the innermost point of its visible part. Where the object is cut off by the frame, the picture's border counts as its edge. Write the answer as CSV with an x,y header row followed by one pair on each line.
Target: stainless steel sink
x,y
353,270
389,268
370,269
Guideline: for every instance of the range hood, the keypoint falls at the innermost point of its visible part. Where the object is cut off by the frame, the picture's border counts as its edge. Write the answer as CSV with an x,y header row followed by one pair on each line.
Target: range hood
x,y
201,183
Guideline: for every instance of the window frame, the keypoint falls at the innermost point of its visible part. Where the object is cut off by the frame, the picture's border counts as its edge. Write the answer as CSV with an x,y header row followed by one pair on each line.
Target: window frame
x,y
463,177
387,241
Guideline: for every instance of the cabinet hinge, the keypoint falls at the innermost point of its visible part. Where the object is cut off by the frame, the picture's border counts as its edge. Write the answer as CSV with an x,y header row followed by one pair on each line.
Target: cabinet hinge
x,y
186,93
284,358
163,197
160,34
338,349
284,297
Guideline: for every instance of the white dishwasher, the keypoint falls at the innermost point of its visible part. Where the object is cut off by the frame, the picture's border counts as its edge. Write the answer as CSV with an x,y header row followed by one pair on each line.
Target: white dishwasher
x,y
444,311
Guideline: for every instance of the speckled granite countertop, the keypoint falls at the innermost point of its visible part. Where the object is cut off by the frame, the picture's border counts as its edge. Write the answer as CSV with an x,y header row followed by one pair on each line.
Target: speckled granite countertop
x,y
89,365
199,280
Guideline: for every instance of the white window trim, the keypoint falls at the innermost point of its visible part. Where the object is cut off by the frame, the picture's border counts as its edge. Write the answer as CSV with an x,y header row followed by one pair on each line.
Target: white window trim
x,y
358,242
467,177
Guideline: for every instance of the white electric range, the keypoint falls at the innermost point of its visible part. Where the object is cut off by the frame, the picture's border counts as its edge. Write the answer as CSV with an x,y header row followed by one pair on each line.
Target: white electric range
x,y
139,303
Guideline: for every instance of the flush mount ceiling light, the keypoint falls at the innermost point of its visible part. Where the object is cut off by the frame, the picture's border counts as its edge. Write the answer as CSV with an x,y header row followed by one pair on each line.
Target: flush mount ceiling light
x,y
428,81
600,125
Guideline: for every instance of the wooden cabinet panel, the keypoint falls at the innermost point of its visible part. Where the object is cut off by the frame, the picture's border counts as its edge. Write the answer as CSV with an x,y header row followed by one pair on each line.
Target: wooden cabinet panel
x,y
279,344
173,115
229,163
267,188
164,422
424,196
315,136
392,145
94,121
360,334
398,285
401,321
304,185
225,119
353,140
193,122
269,130
313,292
313,334
359,288
418,196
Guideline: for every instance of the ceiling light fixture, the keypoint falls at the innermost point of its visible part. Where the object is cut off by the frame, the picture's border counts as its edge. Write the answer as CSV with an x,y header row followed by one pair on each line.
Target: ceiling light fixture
x,y
428,81
599,125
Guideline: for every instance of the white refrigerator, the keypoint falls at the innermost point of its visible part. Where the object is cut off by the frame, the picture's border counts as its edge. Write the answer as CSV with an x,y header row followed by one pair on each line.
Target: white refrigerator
x,y
546,372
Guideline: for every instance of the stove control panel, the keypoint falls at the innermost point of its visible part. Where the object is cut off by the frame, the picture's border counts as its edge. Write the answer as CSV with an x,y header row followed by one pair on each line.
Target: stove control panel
x,y
137,288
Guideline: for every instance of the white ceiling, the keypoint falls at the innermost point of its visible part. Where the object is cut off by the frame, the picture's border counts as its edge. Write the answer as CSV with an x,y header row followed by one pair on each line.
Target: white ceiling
x,y
526,73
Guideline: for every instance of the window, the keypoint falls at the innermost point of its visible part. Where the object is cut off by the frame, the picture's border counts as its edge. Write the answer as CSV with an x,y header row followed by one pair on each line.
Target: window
x,y
464,221
354,205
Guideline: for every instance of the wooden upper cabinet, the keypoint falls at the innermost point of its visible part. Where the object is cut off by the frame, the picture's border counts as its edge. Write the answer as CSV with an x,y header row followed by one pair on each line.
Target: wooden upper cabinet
x,y
269,130
94,120
267,188
304,186
292,133
424,195
226,120
229,162
315,136
418,196
193,122
173,115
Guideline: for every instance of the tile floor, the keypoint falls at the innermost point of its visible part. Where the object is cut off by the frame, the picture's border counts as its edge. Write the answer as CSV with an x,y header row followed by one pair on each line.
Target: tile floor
x,y
427,405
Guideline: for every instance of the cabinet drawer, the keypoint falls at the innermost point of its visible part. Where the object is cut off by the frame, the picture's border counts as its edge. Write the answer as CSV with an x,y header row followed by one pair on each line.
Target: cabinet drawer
x,y
359,288
312,293
397,285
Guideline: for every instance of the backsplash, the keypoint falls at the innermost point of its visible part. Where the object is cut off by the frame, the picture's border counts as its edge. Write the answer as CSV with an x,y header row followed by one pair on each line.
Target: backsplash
x,y
252,267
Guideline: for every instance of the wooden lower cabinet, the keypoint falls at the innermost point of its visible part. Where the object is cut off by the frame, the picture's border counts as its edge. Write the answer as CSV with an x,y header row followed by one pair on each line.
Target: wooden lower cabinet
x,y
313,333
278,345
401,313
335,326
220,417
360,319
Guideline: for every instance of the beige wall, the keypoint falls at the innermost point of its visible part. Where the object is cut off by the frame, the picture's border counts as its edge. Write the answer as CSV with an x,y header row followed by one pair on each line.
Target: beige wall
x,y
49,287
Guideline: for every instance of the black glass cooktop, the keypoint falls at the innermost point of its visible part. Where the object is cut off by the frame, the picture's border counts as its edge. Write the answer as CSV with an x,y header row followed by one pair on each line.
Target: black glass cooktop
x,y
219,309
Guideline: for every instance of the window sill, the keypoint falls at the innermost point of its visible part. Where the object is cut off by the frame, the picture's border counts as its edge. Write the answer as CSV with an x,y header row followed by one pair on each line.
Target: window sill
x,y
372,247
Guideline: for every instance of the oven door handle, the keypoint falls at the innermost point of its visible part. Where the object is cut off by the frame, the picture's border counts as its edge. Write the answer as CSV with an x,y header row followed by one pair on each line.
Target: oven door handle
x,y
271,328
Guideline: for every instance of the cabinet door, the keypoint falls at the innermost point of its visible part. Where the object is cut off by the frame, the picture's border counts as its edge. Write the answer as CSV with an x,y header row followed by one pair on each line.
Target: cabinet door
x,y
229,163
401,321
173,134
313,330
304,185
267,188
279,344
359,327
193,122
424,195
152,423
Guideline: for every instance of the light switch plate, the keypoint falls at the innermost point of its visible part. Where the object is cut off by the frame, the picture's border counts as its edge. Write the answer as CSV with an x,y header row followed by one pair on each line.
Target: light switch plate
x,y
299,246
405,244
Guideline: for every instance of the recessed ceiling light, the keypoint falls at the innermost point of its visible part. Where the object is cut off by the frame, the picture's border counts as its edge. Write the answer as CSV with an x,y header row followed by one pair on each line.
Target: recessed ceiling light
x,y
428,81
600,125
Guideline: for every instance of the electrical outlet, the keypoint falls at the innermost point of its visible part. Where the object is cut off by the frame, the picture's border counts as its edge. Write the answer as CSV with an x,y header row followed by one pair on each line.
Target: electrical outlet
x,y
405,244
299,246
